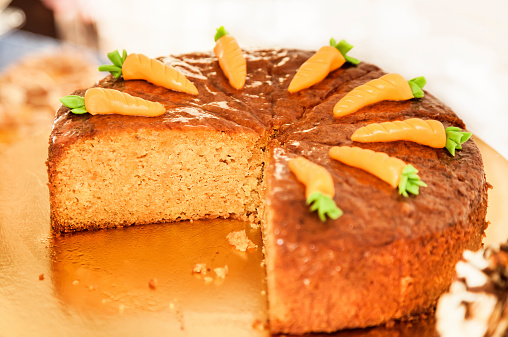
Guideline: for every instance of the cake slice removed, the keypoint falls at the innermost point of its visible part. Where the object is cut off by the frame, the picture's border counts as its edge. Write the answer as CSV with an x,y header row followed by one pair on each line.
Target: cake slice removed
x,y
142,176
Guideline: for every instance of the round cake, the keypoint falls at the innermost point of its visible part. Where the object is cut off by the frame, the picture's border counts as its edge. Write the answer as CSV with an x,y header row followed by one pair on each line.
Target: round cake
x,y
224,153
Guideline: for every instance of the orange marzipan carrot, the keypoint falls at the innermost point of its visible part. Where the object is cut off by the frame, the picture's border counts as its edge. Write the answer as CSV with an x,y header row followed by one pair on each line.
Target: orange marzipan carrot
x,y
110,101
425,132
315,177
386,168
231,59
141,67
389,169
388,87
316,68
319,188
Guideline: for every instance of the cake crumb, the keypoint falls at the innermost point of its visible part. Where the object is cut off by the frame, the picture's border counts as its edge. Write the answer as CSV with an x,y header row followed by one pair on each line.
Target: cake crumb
x,y
199,268
254,223
252,219
75,282
221,272
41,277
152,283
240,240
208,280
259,324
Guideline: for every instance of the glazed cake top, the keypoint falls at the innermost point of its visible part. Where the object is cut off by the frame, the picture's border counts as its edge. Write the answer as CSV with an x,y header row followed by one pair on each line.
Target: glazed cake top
x,y
303,124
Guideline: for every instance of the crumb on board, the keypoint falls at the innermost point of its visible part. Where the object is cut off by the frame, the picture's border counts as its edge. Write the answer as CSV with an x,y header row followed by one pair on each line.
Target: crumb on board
x,y
208,280
259,324
152,283
254,224
221,272
240,240
41,277
199,268
75,282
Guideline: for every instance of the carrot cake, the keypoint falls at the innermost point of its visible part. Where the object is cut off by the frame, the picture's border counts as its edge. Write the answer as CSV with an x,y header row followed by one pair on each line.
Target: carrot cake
x,y
224,153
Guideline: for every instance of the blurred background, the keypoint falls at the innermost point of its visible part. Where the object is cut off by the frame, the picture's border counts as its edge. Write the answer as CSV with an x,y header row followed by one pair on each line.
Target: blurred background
x,y
48,48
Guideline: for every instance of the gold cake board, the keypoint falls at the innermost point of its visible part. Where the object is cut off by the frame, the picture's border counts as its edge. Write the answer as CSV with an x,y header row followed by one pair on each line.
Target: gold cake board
x,y
138,281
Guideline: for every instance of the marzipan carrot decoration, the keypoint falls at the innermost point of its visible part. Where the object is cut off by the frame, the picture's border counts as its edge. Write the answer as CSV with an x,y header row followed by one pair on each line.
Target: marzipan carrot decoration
x,y
319,65
391,87
319,188
426,132
231,58
389,169
141,67
110,101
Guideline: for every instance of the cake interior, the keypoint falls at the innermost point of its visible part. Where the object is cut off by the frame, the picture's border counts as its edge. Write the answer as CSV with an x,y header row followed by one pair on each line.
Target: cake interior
x,y
151,176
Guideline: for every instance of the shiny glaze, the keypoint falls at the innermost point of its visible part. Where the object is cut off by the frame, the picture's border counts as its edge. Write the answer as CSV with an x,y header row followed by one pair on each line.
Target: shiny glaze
x,y
306,126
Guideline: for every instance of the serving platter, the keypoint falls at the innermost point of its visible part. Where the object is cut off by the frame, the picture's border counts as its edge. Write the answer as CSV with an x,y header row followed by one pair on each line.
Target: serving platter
x,y
139,280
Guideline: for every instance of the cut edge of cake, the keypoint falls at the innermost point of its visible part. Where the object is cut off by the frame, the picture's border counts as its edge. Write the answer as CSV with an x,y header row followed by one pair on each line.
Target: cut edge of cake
x,y
141,181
